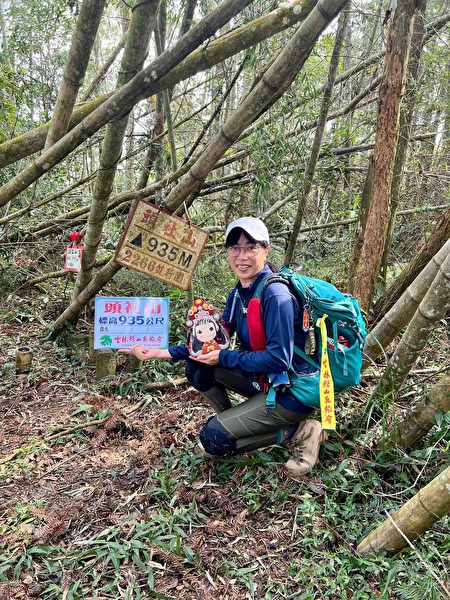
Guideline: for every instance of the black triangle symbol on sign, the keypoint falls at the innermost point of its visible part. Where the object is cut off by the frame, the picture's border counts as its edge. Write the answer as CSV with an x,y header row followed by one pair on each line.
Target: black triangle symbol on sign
x,y
137,241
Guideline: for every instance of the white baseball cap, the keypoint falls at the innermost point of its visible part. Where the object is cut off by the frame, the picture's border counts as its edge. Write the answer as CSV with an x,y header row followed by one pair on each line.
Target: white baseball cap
x,y
251,225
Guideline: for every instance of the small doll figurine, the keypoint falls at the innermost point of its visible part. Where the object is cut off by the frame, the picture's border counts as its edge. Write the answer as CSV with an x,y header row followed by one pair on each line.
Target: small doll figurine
x,y
207,333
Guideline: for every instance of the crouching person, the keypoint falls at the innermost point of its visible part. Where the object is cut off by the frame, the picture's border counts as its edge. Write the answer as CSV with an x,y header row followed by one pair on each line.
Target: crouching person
x,y
255,422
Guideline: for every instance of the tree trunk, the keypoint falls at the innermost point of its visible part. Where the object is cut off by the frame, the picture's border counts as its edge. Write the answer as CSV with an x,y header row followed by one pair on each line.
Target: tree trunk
x,y
421,258
275,81
432,308
188,15
142,24
321,122
391,89
80,50
362,222
418,422
406,115
403,310
145,84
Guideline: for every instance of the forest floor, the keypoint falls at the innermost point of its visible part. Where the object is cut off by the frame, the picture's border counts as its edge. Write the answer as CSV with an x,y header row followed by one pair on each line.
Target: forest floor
x,y
103,493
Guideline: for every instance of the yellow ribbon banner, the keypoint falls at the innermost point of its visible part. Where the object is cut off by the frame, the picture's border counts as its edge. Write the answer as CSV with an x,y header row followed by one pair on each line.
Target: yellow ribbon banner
x,y
326,386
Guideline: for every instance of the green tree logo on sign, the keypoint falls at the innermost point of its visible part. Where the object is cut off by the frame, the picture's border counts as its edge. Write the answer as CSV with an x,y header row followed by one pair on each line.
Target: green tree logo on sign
x,y
106,340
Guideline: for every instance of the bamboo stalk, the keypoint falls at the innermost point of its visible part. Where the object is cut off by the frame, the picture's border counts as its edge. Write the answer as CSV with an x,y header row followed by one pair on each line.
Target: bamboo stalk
x,y
83,38
401,313
431,309
136,46
414,518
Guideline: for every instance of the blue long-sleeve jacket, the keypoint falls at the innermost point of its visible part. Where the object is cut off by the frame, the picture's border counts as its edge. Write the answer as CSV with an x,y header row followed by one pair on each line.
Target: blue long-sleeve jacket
x,y
282,317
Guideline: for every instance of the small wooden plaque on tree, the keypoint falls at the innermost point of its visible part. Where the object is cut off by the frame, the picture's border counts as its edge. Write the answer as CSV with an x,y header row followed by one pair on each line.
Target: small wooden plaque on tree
x,y
160,245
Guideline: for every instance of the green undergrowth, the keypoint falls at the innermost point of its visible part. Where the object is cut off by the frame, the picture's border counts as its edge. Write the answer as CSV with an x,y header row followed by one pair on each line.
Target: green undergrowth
x,y
165,523
270,537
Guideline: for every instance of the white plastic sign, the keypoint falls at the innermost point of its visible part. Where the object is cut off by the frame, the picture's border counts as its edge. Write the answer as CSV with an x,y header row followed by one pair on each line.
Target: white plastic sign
x,y
125,322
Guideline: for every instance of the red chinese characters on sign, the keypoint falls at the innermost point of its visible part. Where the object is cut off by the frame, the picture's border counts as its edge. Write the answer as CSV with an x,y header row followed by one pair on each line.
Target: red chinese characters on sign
x,y
188,238
144,339
170,230
113,307
152,309
149,217
131,308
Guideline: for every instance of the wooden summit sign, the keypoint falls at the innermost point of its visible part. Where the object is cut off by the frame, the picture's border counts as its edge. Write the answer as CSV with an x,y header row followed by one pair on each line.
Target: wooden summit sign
x,y
160,245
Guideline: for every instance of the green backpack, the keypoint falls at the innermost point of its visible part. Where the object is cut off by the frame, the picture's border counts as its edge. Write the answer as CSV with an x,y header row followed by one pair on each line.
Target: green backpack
x,y
345,326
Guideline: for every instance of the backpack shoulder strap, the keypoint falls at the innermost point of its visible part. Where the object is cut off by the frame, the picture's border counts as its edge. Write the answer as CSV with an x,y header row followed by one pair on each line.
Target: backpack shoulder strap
x,y
273,278
254,312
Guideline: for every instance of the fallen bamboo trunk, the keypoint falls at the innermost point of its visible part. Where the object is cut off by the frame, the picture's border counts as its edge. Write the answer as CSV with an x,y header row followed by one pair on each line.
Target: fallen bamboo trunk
x,y
430,311
416,516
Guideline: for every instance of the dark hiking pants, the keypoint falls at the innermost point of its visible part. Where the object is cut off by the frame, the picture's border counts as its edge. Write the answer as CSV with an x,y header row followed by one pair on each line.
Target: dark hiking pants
x,y
248,425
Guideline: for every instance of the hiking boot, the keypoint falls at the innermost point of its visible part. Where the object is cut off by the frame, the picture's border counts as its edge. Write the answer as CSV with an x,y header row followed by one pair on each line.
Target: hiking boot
x,y
305,445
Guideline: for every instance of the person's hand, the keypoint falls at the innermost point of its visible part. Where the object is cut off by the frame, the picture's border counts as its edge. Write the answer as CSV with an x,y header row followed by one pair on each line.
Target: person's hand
x,y
211,358
143,353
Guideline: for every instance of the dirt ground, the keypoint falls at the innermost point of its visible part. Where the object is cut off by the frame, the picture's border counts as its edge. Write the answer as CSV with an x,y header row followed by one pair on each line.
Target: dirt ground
x,y
76,482
81,463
